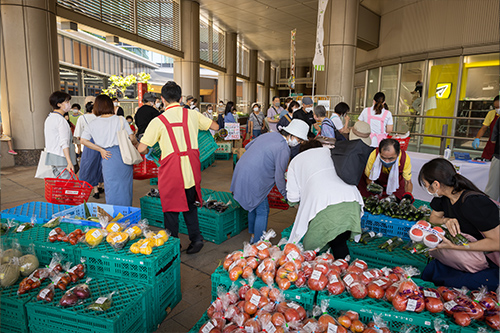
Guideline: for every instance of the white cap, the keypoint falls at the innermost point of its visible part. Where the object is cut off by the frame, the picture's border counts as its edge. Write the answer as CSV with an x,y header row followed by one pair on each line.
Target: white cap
x,y
298,128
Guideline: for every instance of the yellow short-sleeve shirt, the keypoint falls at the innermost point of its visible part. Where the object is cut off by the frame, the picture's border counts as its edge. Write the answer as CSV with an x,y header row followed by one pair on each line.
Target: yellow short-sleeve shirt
x,y
490,116
157,132
406,168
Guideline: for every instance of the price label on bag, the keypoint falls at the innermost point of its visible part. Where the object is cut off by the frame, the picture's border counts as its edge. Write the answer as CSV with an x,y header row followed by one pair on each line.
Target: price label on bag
x,y
348,279
368,275
332,328
255,300
117,239
20,228
450,305
359,265
379,283
44,292
261,247
115,227
269,328
309,327
292,255
389,241
293,305
372,234
96,233
428,293
315,275
249,329
411,305
101,300
208,327
52,233
333,279
233,265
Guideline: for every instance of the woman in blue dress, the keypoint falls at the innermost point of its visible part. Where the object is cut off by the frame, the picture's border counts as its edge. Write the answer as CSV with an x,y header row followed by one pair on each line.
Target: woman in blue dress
x,y
117,175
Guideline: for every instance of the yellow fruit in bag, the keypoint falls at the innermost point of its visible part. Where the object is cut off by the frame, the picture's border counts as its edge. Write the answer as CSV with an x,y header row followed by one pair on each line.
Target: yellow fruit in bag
x,y
146,249
135,248
94,236
113,227
164,235
117,217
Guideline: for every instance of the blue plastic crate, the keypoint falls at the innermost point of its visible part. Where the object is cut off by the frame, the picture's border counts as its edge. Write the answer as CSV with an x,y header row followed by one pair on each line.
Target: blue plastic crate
x,y
131,214
42,210
462,156
387,225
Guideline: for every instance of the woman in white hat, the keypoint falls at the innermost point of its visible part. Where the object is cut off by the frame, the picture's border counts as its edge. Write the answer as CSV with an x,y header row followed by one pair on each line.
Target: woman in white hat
x,y
330,209
261,167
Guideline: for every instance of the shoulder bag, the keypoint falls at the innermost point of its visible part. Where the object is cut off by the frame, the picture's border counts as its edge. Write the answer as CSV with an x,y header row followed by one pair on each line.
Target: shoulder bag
x,y
130,155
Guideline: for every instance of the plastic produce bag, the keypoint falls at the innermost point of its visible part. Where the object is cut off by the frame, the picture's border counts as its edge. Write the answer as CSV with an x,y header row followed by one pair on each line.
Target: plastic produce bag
x,y
13,251
9,272
53,223
33,281
47,293
26,226
29,262
102,303
77,272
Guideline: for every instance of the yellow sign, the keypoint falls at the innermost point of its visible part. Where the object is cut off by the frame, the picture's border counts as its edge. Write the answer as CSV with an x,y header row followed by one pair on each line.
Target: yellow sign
x,y
443,90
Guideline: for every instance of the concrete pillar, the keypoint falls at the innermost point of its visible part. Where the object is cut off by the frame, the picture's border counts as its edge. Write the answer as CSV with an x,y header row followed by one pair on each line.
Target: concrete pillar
x,y
227,81
254,64
187,70
341,22
29,71
267,82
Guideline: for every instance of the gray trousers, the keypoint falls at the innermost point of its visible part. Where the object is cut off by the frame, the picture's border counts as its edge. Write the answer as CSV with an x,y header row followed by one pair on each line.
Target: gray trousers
x,y
58,169
493,186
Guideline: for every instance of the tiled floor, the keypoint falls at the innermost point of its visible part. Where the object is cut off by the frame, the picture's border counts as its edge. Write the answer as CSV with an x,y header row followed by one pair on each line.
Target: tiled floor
x,y
18,186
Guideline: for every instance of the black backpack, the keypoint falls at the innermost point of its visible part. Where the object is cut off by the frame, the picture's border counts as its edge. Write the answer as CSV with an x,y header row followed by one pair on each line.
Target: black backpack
x,y
338,136
350,158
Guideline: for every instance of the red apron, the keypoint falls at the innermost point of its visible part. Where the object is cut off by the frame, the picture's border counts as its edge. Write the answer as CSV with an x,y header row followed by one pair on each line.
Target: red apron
x,y
489,149
382,180
170,178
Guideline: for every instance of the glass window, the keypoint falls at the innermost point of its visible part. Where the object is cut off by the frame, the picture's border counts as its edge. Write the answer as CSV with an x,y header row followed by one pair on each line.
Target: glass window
x,y
68,50
60,46
441,94
76,53
84,56
389,85
410,96
102,62
480,85
372,88
95,59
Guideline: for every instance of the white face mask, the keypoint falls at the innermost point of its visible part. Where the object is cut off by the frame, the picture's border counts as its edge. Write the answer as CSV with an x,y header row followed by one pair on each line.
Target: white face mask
x,y
292,142
115,103
309,109
256,109
192,103
435,195
209,110
293,110
498,111
158,105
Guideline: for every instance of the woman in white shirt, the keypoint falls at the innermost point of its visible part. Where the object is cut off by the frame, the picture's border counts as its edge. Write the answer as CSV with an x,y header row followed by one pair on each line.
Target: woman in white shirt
x,y
379,119
90,164
58,138
330,209
103,130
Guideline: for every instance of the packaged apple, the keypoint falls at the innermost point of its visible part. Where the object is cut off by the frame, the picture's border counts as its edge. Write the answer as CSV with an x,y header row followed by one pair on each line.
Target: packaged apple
x,y
378,324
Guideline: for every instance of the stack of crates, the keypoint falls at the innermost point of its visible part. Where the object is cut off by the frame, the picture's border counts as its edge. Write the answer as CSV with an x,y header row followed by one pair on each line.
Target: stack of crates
x,y
225,151
207,147
146,287
214,226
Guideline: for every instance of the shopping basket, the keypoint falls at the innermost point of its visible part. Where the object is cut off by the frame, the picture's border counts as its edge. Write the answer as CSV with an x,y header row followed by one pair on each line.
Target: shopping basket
x,y
146,169
67,191
403,142
276,200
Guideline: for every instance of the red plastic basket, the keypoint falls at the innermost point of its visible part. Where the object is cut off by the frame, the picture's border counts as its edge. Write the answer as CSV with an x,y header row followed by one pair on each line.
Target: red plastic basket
x,y
274,197
67,191
146,169
403,143
243,131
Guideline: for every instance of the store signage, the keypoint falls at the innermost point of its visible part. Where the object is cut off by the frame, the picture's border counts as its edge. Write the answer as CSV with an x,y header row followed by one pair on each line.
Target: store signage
x,y
292,59
233,130
443,90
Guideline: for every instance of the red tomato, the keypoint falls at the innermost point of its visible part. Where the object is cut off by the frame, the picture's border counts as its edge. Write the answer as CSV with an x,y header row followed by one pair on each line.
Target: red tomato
x,y
358,290
375,291
461,318
433,305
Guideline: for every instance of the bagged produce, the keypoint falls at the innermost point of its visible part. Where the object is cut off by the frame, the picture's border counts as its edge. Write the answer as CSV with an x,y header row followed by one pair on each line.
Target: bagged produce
x,y
10,226
26,226
9,272
46,294
378,324
33,281
53,223
56,234
94,237
102,303
28,263
55,265
77,272
13,251
134,232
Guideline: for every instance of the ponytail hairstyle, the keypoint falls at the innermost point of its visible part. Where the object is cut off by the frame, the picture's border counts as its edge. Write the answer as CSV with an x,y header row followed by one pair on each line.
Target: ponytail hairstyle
x,y
379,99
442,171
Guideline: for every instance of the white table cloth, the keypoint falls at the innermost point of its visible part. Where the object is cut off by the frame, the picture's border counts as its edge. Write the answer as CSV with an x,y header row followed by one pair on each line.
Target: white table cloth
x,y
476,173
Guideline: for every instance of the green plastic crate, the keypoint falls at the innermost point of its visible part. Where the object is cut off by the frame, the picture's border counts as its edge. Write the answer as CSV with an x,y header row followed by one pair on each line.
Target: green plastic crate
x,y
122,264
165,295
127,312
153,181
215,227
12,309
286,232
376,257
223,156
417,203
38,236
224,147
199,324
207,161
303,296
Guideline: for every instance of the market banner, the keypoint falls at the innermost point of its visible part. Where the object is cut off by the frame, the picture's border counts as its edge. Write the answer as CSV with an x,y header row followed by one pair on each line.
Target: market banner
x,y
319,57
292,59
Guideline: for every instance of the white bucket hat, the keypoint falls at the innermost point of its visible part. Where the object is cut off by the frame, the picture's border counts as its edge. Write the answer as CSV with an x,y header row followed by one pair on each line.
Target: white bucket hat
x,y
298,128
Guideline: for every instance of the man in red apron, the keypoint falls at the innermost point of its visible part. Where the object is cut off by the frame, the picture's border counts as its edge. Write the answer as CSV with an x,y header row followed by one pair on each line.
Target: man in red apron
x,y
179,175
489,121
389,167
